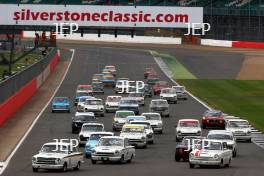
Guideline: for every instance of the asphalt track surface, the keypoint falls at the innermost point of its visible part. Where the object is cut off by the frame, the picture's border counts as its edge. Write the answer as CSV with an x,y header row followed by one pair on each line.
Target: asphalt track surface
x,y
157,159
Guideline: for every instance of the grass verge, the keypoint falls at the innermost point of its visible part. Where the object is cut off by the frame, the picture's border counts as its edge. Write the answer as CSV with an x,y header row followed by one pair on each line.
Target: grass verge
x,y
243,98
177,69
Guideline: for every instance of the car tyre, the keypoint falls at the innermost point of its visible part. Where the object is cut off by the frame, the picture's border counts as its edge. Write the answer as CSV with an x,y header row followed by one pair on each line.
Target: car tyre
x,y
203,126
177,139
177,159
228,164
191,165
78,166
131,158
151,142
64,168
35,169
93,161
249,140
122,160
234,153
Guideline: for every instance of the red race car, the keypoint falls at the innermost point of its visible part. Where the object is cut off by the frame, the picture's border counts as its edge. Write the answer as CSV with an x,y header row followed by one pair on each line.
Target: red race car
x,y
184,148
148,71
84,88
160,85
213,119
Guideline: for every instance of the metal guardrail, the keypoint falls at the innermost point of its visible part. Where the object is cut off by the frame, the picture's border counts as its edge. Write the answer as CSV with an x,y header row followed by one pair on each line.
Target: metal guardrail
x,y
11,85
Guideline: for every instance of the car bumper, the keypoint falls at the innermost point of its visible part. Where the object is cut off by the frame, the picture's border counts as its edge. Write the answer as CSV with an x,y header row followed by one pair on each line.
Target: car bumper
x,y
243,137
138,144
60,109
182,96
162,113
44,166
106,158
169,98
199,162
157,129
182,135
96,113
118,126
112,109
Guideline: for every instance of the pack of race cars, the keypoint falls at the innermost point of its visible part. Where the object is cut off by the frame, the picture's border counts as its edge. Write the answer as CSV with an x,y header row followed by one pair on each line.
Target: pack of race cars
x,y
138,129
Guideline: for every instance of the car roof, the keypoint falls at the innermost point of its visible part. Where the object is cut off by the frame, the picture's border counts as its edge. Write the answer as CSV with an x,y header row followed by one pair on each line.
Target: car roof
x,y
133,126
178,86
61,97
84,85
124,111
93,123
58,143
111,137
238,120
95,99
150,113
183,120
127,98
158,100
220,132
103,132
113,96
84,113
213,110
136,116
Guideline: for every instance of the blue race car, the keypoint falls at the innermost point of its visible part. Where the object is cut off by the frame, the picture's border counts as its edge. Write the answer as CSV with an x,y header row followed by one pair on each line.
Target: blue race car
x,y
135,118
93,141
61,104
81,94
108,80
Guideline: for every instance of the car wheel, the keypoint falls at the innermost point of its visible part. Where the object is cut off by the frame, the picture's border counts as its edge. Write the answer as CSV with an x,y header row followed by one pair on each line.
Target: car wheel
x,y
131,158
161,132
102,115
175,102
228,164
64,168
73,131
78,166
106,111
221,164
249,140
151,142
234,153
122,160
177,158
203,126
93,161
52,111
177,139
191,165
35,169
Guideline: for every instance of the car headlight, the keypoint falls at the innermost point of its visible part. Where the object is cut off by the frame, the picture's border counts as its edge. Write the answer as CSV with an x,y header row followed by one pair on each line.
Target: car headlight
x,y
198,132
178,131
216,156
87,145
81,137
58,160
117,152
93,152
248,132
34,159
143,137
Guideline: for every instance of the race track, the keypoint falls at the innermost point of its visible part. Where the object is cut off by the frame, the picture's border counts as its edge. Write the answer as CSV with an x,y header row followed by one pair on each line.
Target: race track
x,y
157,159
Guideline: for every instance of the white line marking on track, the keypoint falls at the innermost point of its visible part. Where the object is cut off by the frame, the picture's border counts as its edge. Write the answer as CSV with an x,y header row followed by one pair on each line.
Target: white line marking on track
x,y
5,163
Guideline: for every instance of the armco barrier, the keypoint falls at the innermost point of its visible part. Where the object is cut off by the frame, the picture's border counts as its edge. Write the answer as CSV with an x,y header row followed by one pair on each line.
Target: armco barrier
x,y
17,90
232,44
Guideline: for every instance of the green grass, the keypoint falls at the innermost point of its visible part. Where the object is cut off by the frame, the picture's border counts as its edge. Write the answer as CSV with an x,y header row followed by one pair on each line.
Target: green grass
x,y
240,98
21,64
177,69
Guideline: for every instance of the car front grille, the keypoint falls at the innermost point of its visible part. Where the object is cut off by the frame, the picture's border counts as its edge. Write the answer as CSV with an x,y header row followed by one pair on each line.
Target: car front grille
x,y
134,140
104,154
41,160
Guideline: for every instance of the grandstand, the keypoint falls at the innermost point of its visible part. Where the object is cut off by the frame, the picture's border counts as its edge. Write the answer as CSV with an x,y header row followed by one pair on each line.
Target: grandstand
x,y
230,19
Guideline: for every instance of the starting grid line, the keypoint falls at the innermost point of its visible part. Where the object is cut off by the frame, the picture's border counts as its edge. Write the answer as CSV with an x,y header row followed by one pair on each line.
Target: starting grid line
x,y
257,136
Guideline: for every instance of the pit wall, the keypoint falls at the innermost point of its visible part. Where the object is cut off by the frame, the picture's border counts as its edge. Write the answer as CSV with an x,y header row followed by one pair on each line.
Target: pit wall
x,y
12,101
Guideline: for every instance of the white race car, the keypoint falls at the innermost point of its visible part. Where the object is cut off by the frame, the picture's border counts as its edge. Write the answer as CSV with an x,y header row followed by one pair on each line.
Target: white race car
x,y
155,121
181,92
187,127
149,131
94,105
120,119
87,129
136,135
169,94
240,128
81,102
57,155
122,85
112,103
213,152
226,136
113,148
160,106
139,96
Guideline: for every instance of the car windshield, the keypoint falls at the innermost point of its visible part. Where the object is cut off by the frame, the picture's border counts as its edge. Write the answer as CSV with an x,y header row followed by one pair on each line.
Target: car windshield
x,y
83,99
239,124
61,100
146,125
161,83
179,89
133,130
188,124
128,102
213,113
93,102
98,77
168,91
108,76
113,99
213,146
98,136
80,94
80,88
92,128
84,118
124,114
111,142
135,95
152,116
54,149
220,136
159,102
